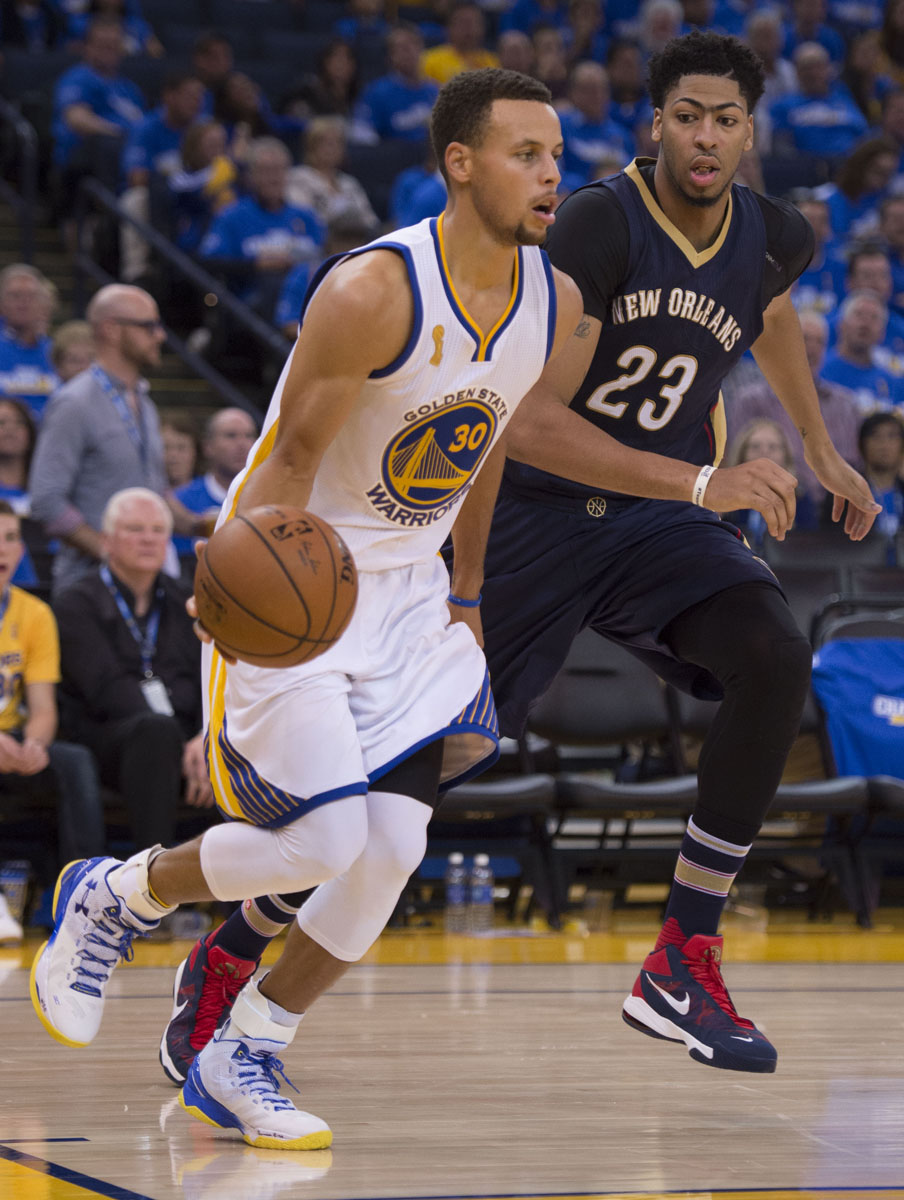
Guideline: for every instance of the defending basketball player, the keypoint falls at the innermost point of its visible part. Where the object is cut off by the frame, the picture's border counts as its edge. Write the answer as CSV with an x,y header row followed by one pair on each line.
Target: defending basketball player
x,y
386,422
681,271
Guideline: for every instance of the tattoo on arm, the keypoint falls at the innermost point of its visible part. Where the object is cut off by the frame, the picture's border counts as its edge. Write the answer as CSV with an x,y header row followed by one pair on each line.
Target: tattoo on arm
x,y
583,329
803,433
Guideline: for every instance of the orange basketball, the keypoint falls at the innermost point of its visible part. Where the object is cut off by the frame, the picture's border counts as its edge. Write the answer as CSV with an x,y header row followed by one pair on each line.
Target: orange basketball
x,y
276,586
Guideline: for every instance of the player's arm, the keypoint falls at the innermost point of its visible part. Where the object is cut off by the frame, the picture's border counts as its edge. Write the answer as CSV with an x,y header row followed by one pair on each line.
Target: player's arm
x,y
348,332
781,356
547,434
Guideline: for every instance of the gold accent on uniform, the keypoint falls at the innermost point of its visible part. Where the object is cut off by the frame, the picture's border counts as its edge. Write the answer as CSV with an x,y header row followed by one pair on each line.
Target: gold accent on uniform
x,y
423,464
438,335
698,877
720,430
697,258
483,339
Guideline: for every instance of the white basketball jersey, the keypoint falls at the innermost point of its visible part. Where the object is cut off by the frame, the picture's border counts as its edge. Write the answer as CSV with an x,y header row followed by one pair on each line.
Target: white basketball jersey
x,y
394,478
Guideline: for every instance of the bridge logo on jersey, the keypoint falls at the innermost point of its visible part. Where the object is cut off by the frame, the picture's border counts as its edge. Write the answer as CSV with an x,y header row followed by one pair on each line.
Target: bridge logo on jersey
x,y
429,464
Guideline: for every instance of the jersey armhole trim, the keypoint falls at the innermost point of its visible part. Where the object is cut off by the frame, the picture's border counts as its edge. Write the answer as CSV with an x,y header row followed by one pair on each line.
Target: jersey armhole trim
x,y
553,309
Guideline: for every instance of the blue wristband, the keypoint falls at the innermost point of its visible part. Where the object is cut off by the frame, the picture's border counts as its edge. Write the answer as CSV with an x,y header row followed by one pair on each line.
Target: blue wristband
x,y
453,599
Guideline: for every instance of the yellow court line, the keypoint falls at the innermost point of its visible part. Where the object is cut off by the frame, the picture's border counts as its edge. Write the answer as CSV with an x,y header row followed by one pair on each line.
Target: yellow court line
x,y
31,1183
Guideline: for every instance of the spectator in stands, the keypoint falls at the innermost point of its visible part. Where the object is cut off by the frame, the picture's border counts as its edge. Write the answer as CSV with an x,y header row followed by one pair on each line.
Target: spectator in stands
x,y
27,300
130,662
398,105
72,349
820,119
408,183
869,269
852,364
765,35
212,61
860,184
95,108
660,21
101,431
821,286
864,77
33,25
203,186
331,91
839,410
882,450
465,47
18,434
629,103
254,242
138,36
892,122
365,19
228,436
763,438
588,131
318,184
891,38
344,234
808,25
515,52
526,16
550,60
242,108
891,227
585,34
31,759
181,447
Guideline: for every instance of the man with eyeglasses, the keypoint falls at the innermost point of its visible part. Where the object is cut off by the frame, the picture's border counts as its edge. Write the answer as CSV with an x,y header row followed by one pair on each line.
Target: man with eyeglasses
x,y
101,432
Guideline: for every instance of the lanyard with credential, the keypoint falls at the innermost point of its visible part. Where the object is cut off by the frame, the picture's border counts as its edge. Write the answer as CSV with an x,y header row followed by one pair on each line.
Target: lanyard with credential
x,y
147,642
121,405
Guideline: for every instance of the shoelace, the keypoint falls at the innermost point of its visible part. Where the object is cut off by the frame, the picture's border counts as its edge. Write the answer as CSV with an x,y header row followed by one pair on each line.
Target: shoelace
x,y
218,993
120,940
259,1080
708,974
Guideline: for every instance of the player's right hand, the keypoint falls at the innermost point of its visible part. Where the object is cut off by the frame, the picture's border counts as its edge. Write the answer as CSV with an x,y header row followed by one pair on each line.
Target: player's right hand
x,y
760,484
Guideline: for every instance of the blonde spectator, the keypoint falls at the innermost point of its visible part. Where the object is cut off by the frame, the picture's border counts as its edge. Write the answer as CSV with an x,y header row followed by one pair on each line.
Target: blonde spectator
x,y
319,185
764,438
72,349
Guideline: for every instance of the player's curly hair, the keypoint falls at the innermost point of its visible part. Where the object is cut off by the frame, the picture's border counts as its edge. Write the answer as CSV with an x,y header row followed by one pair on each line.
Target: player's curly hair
x,y
706,54
462,109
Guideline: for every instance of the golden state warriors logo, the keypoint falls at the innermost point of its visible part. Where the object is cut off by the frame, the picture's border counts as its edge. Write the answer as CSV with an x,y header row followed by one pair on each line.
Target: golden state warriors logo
x,y
426,465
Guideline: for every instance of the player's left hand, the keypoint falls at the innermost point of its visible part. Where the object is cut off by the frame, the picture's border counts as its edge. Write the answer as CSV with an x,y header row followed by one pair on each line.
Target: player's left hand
x,y
847,486
469,617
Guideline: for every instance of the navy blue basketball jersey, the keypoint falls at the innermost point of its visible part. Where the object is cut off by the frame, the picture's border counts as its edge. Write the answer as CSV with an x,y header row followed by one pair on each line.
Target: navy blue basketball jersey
x,y
675,319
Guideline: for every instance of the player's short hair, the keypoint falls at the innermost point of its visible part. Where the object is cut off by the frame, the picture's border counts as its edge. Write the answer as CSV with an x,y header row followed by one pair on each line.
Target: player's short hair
x,y
706,54
462,109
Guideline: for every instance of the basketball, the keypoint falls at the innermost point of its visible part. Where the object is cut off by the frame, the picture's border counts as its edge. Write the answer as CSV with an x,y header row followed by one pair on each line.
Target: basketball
x,y
275,586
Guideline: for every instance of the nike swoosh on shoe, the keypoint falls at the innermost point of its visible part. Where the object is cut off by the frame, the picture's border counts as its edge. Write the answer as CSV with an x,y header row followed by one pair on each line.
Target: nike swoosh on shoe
x,y
680,1006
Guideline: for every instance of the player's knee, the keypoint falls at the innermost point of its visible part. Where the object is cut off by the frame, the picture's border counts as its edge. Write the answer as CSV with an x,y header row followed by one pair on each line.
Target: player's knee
x,y
396,835
326,841
776,663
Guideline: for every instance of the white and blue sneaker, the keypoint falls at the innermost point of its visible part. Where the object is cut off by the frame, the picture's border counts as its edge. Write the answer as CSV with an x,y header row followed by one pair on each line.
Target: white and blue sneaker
x,y
93,931
233,1084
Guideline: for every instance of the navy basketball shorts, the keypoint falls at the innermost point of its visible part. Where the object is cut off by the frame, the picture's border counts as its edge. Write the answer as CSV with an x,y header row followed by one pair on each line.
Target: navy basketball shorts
x,y
554,567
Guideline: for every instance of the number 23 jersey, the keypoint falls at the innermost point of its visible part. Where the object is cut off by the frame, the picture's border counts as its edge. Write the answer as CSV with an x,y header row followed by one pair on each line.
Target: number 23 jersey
x,y
675,320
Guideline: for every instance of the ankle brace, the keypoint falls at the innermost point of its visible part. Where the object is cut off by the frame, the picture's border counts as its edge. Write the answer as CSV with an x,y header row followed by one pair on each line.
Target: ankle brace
x,y
130,883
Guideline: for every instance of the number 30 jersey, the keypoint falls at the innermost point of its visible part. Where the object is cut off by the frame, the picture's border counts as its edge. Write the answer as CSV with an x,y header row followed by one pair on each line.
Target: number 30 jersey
x,y
675,320
393,480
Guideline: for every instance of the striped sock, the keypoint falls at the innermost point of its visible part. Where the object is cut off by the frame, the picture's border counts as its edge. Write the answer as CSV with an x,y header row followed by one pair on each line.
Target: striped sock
x,y
704,873
249,931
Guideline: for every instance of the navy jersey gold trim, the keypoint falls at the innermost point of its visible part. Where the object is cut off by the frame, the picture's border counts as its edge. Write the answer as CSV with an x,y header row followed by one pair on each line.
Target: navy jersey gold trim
x,y
697,258
483,343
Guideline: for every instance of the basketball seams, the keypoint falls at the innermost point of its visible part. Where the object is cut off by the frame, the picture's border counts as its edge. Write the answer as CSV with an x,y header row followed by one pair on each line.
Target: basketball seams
x,y
245,609
294,586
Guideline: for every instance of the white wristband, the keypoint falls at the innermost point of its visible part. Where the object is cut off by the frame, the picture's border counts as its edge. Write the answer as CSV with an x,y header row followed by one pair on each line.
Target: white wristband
x,y
700,484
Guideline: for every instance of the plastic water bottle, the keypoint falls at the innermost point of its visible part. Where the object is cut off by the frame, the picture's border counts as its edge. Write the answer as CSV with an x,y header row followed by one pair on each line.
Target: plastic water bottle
x,y
456,914
480,897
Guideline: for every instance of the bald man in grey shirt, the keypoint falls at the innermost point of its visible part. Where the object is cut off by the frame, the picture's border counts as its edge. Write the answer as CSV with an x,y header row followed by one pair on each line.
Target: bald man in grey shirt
x,y
101,432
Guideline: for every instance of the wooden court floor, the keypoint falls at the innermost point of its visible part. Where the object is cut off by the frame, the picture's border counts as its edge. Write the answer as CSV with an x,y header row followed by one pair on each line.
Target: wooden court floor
x,y
497,1068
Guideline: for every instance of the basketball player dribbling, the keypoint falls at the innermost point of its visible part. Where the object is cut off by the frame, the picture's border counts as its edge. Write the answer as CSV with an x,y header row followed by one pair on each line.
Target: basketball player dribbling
x,y
681,271
412,355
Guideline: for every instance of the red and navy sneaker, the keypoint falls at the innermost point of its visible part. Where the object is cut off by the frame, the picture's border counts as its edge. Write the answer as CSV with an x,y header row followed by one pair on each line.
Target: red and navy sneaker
x,y
204,991
680,996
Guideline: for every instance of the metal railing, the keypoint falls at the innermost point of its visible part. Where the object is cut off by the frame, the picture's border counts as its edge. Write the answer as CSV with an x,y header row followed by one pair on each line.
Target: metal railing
x,y
24,198
93,196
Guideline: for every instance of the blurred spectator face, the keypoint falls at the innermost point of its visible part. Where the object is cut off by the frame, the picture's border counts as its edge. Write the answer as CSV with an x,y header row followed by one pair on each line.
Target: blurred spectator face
x,y
589,91
816,340
11,547
231,434
864,52
466,29
104,49
404,48
698,12
515,52
15,432
325,144
814,69
139,538
883,447
212,143
809,13
133,328
213,63
764,36
871,272
183,103
548,44
339,66
77,357
817,213
241,96
660,22
585,16
892,225
267,177
25,306
879,171
863,327
179,454
626,71
766,440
